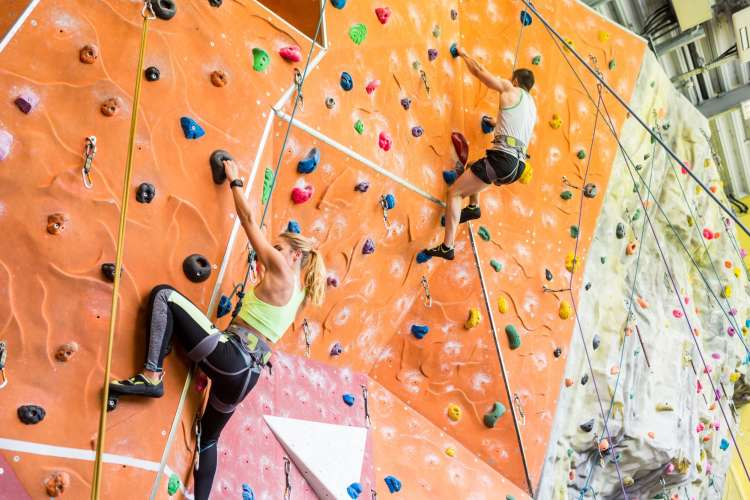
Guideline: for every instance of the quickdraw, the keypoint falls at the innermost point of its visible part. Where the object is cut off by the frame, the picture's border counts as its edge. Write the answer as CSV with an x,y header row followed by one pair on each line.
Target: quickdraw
x,y
427,296
308,336
517,404
287,474
88,159
3,360
368,422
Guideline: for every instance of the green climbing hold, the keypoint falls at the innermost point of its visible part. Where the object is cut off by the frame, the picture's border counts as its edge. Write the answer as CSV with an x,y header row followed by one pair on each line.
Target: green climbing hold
x,y
574,231
174,484
514,340
636,215
636,187
416,65
537,60
566,195
491,417
497,266
603,259
581,154
359,127
436,31
260,59
484,233
570,452
612,65
509,497
267,181
358,33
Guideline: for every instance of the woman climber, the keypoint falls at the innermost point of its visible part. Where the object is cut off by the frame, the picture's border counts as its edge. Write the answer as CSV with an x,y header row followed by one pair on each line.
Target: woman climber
x,y
294,273
504,162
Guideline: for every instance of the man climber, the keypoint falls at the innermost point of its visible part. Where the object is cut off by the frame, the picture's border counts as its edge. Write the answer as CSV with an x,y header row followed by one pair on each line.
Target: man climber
x,y
504,162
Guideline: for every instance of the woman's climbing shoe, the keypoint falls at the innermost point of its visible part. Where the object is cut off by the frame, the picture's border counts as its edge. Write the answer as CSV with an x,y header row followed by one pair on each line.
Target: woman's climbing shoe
x,y
441,251
140,385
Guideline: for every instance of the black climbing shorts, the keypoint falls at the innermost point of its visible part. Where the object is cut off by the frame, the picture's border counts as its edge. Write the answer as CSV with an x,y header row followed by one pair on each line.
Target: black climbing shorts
x,y
498,167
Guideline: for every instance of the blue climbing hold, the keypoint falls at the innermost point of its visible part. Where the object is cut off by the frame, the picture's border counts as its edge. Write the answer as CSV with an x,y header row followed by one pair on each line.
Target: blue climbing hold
x,y
423,257
309,162
724,444
354,490
348,399
346,81
247,492
225,305
487,125
525,18
450,176
419,331
454,49
394,485
747,323
339,4
293,227
389,201
191,129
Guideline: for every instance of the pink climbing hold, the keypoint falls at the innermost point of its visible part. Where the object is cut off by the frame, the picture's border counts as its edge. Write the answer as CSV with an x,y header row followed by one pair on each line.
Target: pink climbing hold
x,y
384,141
698,386
708,234
677,313
6,141
670,468
716,355
372,86
301,195
731,331
383,13
290,53
700,427
685,167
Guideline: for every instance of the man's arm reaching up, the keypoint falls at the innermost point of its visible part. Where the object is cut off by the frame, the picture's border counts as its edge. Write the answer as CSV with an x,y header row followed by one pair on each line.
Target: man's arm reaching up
x,y
484,76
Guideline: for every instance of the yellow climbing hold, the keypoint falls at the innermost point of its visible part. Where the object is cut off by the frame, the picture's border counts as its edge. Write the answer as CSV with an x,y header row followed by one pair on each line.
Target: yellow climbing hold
x,y
454,412
628,481
474,318
726,292
604,36
734,377
737,272
707,162
664,407
502,305
527,174
690,221
570,262
451,452
556,122
565,309
569,44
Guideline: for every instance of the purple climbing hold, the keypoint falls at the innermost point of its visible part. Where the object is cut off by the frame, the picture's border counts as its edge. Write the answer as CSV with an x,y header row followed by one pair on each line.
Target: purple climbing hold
x,y
348,399
336,349
26,101
6,141
23,105
417,131
332,281
191,129
368,247
423,257
432,54
405,103
362,187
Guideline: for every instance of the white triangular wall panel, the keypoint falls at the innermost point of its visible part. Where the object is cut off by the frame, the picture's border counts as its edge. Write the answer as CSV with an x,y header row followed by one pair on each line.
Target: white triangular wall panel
x,y
329,456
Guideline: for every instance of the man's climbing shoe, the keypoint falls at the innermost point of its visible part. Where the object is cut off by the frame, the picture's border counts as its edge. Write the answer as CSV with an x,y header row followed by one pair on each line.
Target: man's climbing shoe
x,y
441,251
140,385
469,212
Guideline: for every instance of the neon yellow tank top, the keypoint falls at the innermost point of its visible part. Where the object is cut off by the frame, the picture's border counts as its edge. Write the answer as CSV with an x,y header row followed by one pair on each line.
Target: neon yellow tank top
x,y
272,321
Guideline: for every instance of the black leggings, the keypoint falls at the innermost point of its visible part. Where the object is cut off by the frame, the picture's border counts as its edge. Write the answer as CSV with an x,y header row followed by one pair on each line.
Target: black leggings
x,y
171,313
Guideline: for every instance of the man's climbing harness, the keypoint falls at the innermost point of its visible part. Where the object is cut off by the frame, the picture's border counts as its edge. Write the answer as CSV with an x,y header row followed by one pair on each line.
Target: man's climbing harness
x,y
3,361
148,14
89,152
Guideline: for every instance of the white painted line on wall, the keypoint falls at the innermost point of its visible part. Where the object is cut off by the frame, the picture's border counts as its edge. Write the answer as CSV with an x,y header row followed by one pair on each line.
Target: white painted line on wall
x,y
17,25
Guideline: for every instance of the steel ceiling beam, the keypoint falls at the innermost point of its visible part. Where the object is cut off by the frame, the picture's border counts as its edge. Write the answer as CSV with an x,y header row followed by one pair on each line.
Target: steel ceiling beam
x,y
726,102
680,40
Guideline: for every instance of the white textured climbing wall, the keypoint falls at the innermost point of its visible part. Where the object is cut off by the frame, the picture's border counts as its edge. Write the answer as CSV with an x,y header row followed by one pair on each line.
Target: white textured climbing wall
x,y
666,423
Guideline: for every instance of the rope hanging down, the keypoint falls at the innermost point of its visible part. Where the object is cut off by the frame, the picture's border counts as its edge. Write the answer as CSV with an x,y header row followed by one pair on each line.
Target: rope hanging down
x,y
147,13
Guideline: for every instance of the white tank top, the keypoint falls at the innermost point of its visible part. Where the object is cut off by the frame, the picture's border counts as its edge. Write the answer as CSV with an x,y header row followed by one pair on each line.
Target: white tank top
x,y
517,121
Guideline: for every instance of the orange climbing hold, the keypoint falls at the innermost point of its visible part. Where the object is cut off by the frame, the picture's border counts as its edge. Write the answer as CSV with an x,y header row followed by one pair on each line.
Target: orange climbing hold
x,y
568,382
603,445
631,248
643,303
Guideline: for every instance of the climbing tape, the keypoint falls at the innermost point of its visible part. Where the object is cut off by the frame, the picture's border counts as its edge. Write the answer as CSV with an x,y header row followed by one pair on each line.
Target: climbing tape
x,y
288,477
147,13
501,361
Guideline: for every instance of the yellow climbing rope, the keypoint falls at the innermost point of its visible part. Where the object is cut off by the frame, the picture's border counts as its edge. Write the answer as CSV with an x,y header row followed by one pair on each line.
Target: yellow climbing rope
x,y
147,14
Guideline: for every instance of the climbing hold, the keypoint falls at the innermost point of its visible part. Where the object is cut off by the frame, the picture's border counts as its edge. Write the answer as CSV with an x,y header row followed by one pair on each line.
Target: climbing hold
x,y
502,305
358,33
734,377
612,64
614,370
56,223
224,307
525,18
368,247
417,131
354,490
451,452
491,417
145,193
247,492
557,352
548,275
419,331
584,379
484,233
460,146
383,13
603,445
566,195
514,339
488,124
454,412
432,54
196,268
405,103
565,310
454,50
527,174
339,4
574,231
219,78
475,317
372,86
215,3
110,106
436,31
620,231
330,102
66,351
293,227
384,141
449,176
261,60
587,426
571,262
336,349
359,127
267,185
664,407
164,9
643,303
631,248
56,484
332,281
290,53
191,129
348,399
536,60
216,160
88,54
362,187
394,485
26,101
568,382
302,194
388,201
604,36
581,154
724,445
587,286
726,292
497,266
108,270
307,164
173,486
31,414
590,190
151,73
556,122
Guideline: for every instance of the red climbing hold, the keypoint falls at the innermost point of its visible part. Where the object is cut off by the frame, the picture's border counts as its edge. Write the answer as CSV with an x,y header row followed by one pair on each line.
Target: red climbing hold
x,y
708,234
372,86
384,141
383,14
290,54
301,195
461,146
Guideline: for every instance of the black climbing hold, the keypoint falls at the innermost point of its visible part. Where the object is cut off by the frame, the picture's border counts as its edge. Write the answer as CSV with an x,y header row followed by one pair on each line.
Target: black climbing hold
x,y
548,274
596,341
215,3
108,270
31,414
588,286
405,103
587,426
196,267
584,379
146,193
217,165
620,231
164,9
152,73
454,14
557,352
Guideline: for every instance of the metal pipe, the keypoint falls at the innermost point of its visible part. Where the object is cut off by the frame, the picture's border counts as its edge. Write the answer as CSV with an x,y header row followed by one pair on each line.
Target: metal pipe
x,y
640,120
679,41
506,383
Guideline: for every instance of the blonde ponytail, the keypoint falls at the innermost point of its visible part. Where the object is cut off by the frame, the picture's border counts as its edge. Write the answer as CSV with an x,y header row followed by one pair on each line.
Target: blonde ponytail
x,y
313,267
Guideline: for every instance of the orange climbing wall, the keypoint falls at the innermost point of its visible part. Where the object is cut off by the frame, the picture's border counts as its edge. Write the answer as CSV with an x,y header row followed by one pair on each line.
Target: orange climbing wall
x,y
51,290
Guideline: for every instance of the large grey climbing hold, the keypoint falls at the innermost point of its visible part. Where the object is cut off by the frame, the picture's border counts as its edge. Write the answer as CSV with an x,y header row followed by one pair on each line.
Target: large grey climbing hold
x,y
164,9
217,165
196,267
